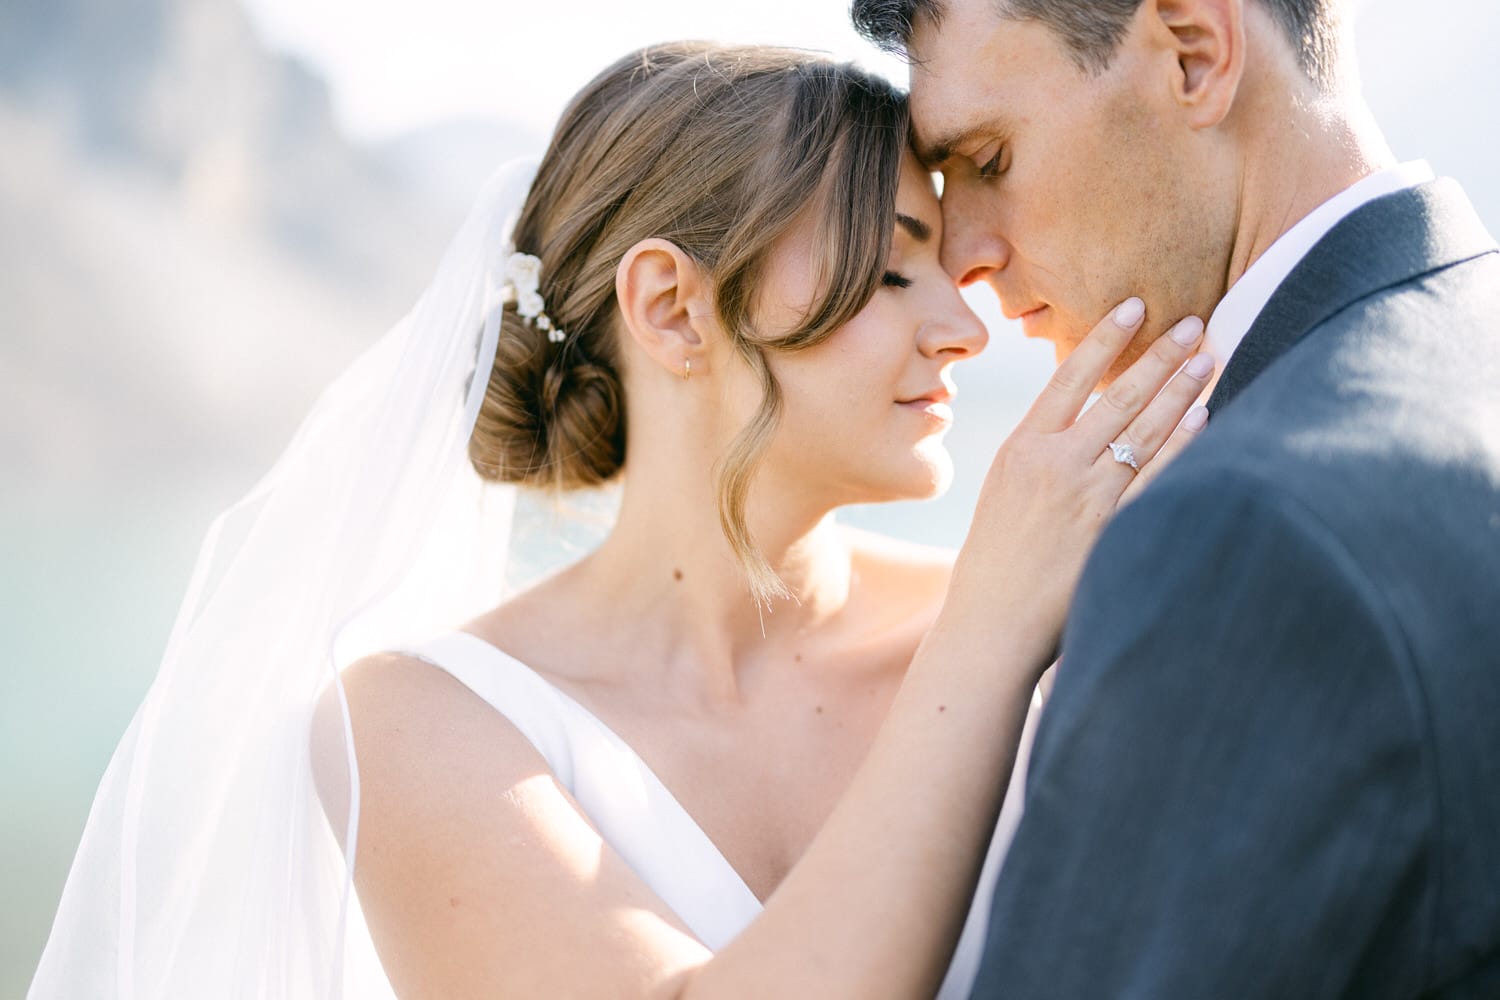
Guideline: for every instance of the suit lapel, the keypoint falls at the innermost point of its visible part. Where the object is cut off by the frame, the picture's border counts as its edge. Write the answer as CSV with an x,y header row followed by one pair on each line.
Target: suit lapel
x,y
1386,242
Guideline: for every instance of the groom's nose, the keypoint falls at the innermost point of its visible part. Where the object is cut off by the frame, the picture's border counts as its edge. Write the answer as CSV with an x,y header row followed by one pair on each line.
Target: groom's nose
x,y
973,247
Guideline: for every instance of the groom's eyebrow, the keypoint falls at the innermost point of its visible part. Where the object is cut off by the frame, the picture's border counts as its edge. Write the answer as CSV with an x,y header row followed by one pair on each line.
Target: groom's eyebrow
x,y
919,230
934,155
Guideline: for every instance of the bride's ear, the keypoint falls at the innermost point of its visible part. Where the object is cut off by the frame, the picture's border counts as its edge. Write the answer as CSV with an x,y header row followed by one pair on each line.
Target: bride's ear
x,y
666,301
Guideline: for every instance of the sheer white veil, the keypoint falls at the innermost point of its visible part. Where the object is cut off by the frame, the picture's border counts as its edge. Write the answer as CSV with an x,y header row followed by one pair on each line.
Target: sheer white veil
x,y
208,867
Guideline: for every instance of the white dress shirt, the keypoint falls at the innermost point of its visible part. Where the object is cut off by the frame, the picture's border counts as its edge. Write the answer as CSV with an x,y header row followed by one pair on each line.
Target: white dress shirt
x,y
1237,311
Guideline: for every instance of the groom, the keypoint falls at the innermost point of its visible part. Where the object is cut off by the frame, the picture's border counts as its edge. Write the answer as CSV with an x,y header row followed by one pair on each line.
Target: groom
x,y
1270,766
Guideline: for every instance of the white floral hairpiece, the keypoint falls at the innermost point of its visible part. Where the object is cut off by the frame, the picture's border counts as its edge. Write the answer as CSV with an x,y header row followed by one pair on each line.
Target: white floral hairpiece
x,y
523,273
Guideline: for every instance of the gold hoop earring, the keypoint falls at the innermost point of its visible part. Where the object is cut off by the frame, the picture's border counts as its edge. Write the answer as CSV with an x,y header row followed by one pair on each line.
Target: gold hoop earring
x,y
687,369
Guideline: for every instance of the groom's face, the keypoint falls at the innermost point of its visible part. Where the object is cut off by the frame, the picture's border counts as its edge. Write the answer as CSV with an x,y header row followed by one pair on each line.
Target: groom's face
x,y
1066,191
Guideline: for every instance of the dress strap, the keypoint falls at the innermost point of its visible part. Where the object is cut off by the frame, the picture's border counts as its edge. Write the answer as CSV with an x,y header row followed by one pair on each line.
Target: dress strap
x,y
549,720
634,812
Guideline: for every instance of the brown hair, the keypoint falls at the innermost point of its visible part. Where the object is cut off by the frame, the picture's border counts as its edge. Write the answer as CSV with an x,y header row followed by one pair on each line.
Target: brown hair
x,y
719,150
1093,29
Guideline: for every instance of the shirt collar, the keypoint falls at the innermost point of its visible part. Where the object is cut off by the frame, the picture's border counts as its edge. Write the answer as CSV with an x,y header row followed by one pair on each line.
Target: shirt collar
x,y
1239,307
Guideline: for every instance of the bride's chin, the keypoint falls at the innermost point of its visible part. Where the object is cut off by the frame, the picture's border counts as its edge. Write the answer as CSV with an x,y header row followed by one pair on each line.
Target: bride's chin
x,y
929,476
937,466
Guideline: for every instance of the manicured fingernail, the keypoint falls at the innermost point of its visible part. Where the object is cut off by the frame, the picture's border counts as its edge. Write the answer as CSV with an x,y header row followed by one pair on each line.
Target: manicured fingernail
x,y
1128,314
1188,331
1196,419
1201,365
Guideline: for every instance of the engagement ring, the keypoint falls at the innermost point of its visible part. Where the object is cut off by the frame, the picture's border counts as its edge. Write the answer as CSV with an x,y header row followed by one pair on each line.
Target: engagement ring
x,y
1124,454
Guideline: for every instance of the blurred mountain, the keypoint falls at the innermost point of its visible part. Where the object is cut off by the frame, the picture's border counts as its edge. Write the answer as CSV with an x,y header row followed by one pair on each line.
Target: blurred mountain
x,y
188,246
182,92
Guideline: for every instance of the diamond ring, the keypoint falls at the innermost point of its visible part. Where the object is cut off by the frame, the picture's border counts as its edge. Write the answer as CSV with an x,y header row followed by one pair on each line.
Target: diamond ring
x,y
1124,454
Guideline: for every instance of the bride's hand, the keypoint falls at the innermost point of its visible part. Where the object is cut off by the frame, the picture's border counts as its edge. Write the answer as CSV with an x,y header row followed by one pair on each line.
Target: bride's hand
x,y
1055,481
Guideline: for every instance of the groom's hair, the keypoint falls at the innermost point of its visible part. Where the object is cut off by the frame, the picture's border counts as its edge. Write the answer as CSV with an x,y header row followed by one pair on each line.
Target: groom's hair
x,y
1093,29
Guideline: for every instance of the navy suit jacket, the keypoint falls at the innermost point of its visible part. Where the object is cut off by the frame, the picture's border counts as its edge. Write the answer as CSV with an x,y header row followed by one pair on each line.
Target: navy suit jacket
x,y
1270,766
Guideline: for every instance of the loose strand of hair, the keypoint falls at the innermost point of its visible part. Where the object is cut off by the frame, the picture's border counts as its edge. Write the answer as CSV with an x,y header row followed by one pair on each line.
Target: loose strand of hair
x,y
735,474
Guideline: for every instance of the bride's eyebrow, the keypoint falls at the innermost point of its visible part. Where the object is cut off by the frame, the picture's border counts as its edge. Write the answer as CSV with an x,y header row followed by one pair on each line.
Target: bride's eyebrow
x,y
919,230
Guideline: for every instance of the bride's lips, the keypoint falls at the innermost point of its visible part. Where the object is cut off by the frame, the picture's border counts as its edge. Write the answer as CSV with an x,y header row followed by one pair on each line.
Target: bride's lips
x,y
933,405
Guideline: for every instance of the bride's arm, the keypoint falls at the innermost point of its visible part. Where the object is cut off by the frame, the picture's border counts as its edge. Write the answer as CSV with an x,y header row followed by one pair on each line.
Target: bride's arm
x,y
489,881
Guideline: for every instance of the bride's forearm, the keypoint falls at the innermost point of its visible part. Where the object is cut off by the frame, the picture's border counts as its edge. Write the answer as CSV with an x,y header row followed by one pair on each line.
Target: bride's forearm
x,y
876,904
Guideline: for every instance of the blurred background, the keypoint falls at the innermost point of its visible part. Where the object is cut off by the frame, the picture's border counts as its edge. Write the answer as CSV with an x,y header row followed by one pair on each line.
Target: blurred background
x,y
207,207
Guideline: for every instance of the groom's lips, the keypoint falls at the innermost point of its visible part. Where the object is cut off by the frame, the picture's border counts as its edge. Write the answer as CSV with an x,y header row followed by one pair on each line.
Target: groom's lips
x,y
1012,313
1029,320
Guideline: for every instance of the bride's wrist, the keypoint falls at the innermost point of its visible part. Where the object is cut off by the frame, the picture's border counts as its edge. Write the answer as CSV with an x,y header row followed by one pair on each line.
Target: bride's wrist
x,y
1004,637
1016,602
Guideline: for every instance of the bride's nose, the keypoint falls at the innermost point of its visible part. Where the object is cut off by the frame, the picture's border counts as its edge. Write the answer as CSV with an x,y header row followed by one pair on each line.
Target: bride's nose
x,y
954,331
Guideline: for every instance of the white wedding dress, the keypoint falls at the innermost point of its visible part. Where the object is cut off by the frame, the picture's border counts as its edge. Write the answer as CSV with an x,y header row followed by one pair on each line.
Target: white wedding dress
x,y
639,817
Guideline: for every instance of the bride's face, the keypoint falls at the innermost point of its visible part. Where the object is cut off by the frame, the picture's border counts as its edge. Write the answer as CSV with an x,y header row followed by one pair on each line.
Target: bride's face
x,y
866,409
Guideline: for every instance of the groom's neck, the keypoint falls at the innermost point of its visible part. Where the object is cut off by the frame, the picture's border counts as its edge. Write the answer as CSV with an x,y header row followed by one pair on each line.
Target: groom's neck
x,y
1297,157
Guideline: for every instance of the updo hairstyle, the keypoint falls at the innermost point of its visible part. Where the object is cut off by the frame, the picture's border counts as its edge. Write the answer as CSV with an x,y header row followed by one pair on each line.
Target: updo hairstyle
x,y
718,150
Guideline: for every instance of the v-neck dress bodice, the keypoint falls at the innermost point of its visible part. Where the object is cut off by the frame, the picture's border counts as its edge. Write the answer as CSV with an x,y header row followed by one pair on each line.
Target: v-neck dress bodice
x,y
640,818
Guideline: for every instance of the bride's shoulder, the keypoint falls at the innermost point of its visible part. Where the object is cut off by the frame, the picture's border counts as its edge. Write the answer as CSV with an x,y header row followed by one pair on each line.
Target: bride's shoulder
x,y
392,697
416,729
376,696
392,681
917,572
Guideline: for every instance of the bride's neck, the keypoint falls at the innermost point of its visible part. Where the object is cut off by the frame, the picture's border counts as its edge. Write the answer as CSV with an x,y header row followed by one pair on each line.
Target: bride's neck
x,y
671,582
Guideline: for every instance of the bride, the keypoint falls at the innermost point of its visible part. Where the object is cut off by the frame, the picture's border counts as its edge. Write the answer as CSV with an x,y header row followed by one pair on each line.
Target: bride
x,y
729,752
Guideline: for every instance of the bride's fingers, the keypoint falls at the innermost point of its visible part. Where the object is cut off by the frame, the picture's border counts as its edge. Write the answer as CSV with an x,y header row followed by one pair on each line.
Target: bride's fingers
x,y
1124,401
1187,432
1147,433
1058,405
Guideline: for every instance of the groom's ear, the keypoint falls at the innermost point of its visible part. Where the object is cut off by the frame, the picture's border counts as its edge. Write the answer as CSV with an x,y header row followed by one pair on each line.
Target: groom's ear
x,y
666,302
1207,38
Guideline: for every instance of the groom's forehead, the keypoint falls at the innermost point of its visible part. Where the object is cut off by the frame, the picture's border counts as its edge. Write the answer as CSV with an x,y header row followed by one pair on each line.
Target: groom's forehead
x,y
980,80
962,87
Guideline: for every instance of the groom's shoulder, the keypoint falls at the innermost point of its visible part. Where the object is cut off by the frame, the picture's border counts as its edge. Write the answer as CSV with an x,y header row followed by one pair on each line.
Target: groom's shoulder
x,y
1386,415
1373,442
1359,475
1398,469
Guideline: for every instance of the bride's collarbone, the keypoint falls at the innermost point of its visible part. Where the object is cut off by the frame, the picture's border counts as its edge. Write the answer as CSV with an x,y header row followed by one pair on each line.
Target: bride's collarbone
x,y
760,795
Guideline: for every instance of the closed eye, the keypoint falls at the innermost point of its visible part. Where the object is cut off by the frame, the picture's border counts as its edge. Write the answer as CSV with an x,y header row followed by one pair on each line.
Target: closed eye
x,y
992,168
893,280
